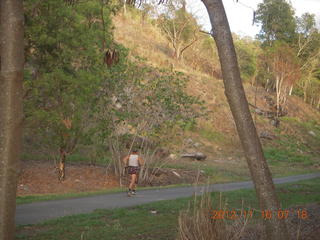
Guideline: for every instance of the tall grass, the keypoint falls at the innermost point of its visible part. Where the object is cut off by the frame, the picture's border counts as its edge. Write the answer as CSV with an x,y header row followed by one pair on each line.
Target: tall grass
x,y
195,223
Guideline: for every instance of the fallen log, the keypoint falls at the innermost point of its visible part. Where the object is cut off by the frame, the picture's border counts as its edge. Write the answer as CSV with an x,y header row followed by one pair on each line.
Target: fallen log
x,y
198,156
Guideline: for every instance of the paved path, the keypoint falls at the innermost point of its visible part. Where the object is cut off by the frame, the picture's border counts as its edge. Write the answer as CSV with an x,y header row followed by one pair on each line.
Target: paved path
x,y
37,212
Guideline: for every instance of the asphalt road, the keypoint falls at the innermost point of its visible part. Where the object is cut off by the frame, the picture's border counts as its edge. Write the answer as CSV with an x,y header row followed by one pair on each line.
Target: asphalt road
x,y
40,211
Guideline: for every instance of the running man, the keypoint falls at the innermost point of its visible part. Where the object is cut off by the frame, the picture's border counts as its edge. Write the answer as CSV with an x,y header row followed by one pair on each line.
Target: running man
x,y
133,162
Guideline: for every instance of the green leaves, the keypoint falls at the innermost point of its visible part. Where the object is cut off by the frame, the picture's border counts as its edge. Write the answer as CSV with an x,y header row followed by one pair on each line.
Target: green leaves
x,y
65,67
247,52
277,21
72,97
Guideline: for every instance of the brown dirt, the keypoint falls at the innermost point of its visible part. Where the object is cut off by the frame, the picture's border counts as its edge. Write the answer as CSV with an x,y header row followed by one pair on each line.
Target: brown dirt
x,y
38,177
41,178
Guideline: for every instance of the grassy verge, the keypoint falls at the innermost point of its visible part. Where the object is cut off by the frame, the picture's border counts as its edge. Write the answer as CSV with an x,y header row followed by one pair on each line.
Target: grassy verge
x,y
155,220
47,197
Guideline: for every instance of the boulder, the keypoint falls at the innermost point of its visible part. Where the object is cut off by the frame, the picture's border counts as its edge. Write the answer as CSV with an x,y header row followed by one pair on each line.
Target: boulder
x,y
267,135
197,155
312,133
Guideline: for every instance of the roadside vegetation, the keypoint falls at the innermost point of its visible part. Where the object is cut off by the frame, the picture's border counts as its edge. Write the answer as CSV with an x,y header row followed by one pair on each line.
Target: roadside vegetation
x,y
160,220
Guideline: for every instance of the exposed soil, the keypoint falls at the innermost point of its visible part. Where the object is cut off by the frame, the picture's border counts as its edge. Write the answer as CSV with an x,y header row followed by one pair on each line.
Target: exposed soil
x,y
38,177
41,178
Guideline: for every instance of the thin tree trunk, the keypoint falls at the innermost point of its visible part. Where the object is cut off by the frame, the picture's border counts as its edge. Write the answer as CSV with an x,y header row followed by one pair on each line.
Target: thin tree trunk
x,y
12,61
62,164
260,173
305,94
124,7
291,89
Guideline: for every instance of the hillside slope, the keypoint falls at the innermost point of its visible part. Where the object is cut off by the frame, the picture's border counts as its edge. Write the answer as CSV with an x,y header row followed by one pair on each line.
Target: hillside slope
x,y
296,140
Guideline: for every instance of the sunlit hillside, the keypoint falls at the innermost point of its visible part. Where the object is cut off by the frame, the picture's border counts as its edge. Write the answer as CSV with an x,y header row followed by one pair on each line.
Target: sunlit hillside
x,y
217,132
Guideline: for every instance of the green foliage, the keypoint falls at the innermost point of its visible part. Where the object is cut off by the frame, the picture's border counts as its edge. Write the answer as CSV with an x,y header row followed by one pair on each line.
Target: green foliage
x,y
77,158
73,98
308,51
211,135
306,24
148,101
247,51
65,68
303,128
278,24
179,26
279,156
277,21
290,151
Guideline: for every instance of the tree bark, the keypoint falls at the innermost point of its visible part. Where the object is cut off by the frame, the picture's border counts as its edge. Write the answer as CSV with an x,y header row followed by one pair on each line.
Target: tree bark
x,y
259,170
62,165
11,76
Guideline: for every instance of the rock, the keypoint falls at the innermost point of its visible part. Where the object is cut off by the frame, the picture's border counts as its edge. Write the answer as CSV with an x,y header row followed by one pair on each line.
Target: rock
x,y
266,135
188,141
118,105
172,156
258,111
275,122
196,144
24,187
197,155
316,166
312,133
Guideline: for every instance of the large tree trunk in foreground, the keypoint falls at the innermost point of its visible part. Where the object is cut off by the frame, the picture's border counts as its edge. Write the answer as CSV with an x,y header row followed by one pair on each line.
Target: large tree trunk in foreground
x,y
11,52
260,173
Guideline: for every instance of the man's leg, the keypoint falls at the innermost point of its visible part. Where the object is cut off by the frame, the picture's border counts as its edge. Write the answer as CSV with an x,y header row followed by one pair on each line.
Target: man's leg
x,y
133,183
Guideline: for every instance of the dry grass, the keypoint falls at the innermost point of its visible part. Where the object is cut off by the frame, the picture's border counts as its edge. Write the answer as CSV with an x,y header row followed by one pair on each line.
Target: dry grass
x,y
195,223
144,39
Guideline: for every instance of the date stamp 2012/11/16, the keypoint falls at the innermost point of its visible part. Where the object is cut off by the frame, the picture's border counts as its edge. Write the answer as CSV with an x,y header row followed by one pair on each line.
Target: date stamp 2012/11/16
x,y
265,214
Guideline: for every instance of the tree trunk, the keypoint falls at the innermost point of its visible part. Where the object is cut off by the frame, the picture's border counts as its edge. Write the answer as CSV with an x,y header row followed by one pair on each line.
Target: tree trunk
x,y
279,93
62,165
260,173
305,90
290,91
124,8
11,76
